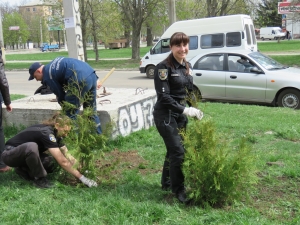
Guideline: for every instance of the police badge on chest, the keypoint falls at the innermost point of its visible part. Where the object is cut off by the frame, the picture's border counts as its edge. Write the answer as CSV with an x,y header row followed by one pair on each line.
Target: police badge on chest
x,y
163,74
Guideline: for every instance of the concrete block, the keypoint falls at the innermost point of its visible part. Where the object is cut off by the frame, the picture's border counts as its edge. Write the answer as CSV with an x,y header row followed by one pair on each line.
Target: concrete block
x,y
129,109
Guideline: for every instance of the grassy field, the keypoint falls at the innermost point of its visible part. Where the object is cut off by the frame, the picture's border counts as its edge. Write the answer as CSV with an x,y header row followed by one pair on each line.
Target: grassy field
x,y
103,53
135,197
131,193
283,46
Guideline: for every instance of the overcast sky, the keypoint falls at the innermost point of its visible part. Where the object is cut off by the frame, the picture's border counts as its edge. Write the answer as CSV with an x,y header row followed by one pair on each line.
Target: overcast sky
x,y
15,2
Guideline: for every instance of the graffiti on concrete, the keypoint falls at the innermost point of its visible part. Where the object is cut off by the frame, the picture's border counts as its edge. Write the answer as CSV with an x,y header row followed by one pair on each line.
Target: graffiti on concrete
x,y
134,117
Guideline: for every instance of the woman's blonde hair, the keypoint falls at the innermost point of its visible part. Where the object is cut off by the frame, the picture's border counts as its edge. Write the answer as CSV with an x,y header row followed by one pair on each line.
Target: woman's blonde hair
x,y
58,118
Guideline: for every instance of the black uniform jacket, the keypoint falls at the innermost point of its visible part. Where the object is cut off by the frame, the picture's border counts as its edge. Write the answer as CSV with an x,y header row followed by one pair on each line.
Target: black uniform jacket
x,y
172,86
44,136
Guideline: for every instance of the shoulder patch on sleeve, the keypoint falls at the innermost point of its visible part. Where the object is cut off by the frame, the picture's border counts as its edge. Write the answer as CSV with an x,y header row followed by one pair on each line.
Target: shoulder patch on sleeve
x,y
163,74
52,138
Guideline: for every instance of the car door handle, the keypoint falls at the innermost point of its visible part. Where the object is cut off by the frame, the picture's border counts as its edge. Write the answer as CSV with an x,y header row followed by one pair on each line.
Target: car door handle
x,y
233,77
198,74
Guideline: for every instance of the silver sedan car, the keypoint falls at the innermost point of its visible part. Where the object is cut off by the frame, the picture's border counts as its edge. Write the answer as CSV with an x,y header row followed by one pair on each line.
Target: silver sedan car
x,y
246,76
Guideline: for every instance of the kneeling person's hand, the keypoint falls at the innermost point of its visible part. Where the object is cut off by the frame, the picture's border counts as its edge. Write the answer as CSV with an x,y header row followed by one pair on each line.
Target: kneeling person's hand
x,y
88,182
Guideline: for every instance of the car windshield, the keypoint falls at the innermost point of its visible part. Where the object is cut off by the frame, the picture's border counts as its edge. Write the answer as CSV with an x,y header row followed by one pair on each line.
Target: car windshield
x,y
266,62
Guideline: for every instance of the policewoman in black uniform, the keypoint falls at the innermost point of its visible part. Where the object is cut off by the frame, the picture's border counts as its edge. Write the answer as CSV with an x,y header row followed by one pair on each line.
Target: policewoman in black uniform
x,y
173,82
26,152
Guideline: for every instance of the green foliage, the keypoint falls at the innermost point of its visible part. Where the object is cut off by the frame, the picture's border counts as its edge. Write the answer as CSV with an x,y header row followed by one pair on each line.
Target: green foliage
x,y
86,144
214,173
14,36
136,197
268,14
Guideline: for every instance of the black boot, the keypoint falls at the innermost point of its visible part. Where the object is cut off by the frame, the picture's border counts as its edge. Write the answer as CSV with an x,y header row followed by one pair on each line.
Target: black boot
x,y
23,173
182,197
42,182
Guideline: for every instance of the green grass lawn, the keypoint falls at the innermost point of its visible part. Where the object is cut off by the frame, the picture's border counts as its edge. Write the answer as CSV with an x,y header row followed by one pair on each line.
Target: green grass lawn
x,y
103,53
135,196
16,96
126,63
282,46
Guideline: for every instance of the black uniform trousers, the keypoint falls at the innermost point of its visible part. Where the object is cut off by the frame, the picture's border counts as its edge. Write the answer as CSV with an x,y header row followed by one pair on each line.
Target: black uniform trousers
x,y
169,125
28,158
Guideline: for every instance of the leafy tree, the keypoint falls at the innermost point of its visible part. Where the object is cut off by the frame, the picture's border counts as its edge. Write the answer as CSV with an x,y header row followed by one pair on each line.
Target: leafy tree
x,y
56,20
267,12
190,9
152,26
136,13
100,20
37,27
220,8
14,37
107,22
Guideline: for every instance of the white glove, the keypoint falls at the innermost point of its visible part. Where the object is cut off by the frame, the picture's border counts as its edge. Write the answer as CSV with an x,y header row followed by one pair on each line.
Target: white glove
x,y
88,182
193,112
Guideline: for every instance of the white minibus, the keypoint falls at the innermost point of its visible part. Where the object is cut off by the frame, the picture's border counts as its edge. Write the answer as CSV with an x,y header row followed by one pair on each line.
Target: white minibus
x,y
271,33
224,32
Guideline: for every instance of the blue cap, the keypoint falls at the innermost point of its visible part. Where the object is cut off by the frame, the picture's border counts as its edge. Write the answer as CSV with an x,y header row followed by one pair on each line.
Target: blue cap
x,y
33,68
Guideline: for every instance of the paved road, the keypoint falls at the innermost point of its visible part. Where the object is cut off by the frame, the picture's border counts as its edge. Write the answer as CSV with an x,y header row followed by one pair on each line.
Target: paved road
x,y
19,84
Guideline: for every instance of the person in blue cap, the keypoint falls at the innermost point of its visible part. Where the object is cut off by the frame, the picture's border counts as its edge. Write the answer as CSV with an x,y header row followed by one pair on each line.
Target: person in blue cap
x,y
62,72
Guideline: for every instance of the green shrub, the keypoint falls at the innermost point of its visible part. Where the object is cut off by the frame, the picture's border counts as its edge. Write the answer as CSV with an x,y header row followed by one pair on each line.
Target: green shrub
x,y
215,174
83,140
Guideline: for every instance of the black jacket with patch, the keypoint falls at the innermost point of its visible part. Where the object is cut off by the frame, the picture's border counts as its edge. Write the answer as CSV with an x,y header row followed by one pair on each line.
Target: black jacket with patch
x,y
172,86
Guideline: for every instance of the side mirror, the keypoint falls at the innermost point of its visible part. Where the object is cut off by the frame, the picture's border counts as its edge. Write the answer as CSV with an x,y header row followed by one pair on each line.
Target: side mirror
x,y
151,51
256,70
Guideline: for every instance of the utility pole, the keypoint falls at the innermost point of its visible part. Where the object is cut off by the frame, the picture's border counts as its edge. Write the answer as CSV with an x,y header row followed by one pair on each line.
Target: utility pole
x,y
1,39
172,12
73,29
41,29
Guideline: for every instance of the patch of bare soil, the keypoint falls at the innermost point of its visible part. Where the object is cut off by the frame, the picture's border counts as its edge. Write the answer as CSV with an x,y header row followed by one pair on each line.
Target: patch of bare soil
x,y
111,166
116,162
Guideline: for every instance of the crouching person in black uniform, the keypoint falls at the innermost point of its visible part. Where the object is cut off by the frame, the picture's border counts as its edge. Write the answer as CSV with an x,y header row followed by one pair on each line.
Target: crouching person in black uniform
x,y
173,81
25,152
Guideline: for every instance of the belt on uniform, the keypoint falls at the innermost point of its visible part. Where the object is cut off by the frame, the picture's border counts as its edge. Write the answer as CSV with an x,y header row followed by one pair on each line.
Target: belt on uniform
x,y
8,147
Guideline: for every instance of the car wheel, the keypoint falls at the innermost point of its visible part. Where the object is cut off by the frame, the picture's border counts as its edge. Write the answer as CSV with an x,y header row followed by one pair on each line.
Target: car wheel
x,y
289,98
150,72
262,38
